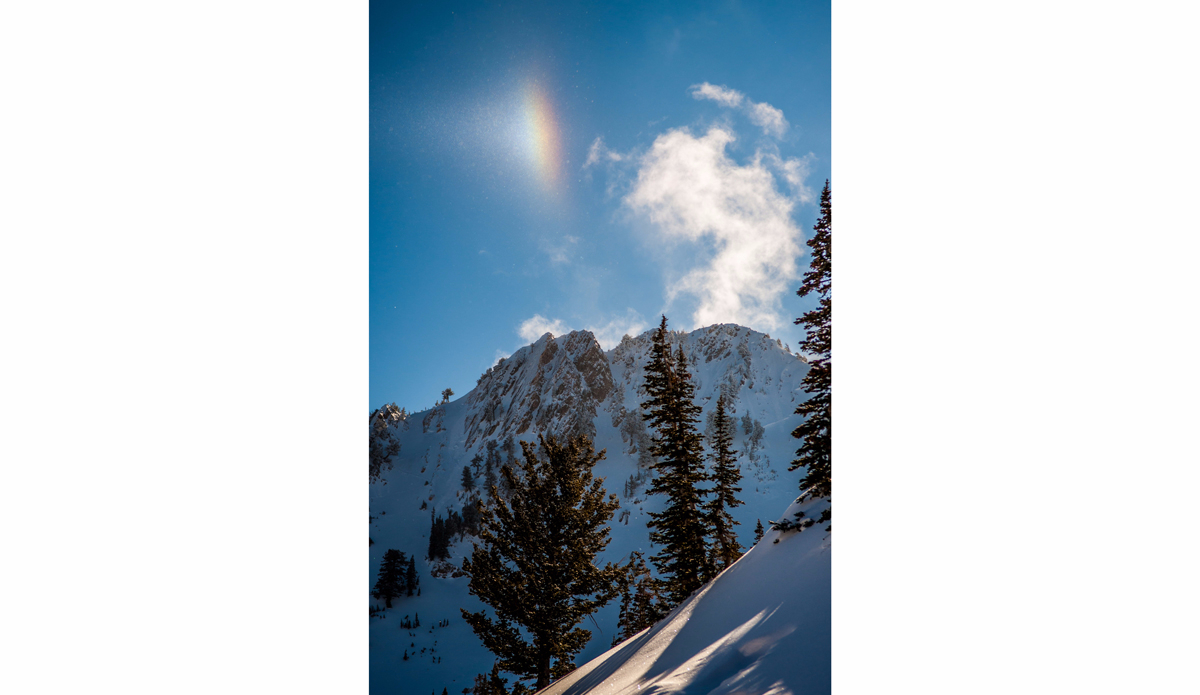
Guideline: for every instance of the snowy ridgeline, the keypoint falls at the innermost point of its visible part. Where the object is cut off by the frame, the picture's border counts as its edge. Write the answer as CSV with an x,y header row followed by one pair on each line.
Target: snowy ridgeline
x,y
569,385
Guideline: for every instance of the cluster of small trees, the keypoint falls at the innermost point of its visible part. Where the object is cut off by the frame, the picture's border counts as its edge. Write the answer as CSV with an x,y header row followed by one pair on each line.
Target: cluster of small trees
x,y
397,577
443,530
383,445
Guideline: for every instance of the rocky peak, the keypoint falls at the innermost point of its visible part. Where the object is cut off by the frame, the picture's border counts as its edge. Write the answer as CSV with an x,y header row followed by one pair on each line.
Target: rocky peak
x,y
553,386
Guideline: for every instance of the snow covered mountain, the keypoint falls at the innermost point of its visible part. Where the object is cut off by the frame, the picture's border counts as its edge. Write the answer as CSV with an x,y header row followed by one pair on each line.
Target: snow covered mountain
x,y
565,385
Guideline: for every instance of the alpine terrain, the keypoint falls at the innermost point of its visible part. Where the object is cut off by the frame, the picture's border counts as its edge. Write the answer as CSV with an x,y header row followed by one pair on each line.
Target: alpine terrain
x,y
762,625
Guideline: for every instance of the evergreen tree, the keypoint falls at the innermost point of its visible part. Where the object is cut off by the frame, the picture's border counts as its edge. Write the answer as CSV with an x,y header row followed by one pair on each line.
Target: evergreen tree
x,y
726,475
410,577
640,604
470,516
390,581
535,567
446,395
490,685
680,529
758,531
439,539
468,482
382,446
814,453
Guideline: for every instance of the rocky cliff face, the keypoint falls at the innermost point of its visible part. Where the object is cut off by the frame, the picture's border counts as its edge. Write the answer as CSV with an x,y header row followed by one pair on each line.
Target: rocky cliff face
x,y
555,386
568,385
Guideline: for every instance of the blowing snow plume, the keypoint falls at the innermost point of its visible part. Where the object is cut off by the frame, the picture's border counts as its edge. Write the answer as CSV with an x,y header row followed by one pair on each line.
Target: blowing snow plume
x,y
690,189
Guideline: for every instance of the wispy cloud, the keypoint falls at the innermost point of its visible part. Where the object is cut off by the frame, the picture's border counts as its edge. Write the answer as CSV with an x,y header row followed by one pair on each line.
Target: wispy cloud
x,y
536,326
561,251
761,114
609,334
598,152
690,189
723,95
769,118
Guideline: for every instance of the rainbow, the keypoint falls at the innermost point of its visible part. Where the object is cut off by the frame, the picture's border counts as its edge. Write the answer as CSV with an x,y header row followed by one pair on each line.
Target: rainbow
x,y
543,137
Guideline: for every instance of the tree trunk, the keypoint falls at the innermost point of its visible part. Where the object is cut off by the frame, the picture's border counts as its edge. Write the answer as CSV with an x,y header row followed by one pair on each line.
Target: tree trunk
x,y
543,677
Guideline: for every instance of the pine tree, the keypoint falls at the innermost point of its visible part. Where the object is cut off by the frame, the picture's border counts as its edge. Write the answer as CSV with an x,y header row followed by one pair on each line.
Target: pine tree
x,y
390,581
758,531
680,529
490,685
410,577
815,453
726,475
439,539
489,478
468,482
640,604
382,446
535,567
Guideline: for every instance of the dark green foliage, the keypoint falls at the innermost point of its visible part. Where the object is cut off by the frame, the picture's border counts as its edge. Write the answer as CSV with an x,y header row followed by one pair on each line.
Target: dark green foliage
x,y
382,444
442,531
411,581
725,476
680,529
470,519
815,453
640,605
477,463
390,582
535,567
489,477
468,481
439,539
491,685
758,531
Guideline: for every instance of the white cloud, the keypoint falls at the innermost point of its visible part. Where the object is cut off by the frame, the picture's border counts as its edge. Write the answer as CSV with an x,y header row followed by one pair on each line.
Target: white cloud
x,y
763,115
610,334
500,355
535,327
690,189
723,95
794,171
598,152
769,118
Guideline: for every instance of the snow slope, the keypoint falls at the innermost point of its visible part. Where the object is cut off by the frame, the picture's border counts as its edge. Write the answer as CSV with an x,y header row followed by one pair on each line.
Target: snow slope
x,y
762,626
561,385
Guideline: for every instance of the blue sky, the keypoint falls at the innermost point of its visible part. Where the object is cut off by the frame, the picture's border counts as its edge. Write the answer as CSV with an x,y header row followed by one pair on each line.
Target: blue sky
x,y
556,166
